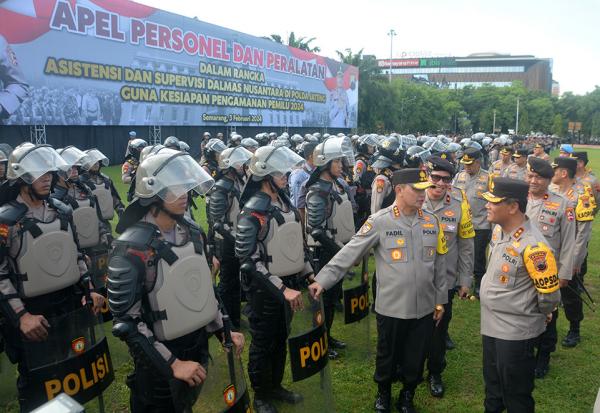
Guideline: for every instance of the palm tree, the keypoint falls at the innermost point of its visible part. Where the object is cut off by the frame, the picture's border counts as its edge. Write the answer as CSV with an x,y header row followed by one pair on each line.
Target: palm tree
x,y
301,43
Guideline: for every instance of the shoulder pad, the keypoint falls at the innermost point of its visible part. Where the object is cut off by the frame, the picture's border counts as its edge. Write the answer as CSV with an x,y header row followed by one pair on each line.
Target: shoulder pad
x,y
246,236
139,235
12,213
58,192
218,205
260,202
321,185
316,207
60,206
105,177
191,224
224,184
124,283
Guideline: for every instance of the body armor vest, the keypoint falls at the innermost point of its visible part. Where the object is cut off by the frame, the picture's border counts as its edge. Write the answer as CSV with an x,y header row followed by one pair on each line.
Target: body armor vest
x,y
48,258
285,247
182,298
104,197
85,218
341,222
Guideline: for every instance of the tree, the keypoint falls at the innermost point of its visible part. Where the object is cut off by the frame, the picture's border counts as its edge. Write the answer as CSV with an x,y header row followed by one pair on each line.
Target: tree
x,y
300,43
524,126
558,126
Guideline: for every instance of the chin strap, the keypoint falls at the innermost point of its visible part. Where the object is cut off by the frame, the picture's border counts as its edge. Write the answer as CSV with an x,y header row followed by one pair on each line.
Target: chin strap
x,y
176,217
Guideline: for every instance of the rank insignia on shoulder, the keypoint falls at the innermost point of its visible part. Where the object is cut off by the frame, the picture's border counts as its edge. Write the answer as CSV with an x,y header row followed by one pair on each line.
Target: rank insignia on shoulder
x,y
396,211
518,233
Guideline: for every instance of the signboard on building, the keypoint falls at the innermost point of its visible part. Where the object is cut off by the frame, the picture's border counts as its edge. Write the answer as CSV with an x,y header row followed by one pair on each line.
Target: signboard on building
x,y
104,62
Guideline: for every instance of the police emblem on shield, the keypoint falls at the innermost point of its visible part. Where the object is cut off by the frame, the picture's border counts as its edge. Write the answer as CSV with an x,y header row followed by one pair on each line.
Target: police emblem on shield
x,y
229,395
78,345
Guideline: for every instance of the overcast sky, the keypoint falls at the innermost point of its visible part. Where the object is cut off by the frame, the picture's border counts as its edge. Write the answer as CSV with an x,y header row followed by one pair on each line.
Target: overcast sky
x,y
566,31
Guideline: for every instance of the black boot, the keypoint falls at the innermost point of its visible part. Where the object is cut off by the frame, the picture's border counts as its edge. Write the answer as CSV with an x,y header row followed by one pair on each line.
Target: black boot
x,y
383,399
572,338
286,396
332,354
405,401
542,365
449,343
336,344
436,385
263,406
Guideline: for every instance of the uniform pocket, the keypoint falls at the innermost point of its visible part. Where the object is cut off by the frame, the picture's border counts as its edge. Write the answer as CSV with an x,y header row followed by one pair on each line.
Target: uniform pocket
x,y
396,250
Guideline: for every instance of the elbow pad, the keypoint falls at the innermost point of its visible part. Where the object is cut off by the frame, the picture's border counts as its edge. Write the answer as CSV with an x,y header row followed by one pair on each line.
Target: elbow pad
x,y
141,346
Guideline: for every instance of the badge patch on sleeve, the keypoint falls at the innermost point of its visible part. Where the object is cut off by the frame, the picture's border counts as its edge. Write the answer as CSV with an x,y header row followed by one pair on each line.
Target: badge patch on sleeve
x,y
380,184
541,267
570,214
365,228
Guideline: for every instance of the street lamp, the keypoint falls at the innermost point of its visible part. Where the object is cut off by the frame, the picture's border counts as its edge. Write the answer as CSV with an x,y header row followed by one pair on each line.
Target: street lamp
x,y
391,33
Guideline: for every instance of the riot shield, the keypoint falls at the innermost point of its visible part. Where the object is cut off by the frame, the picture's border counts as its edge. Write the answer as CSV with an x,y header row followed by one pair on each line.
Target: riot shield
x,y
308,355
99,273
223,391
356,331
74,359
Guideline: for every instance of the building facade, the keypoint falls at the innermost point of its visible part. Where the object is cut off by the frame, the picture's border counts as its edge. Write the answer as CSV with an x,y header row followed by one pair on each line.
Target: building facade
x,y
474,70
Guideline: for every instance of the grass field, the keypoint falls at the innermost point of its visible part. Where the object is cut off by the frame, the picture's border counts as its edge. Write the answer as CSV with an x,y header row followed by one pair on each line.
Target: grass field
x,y
571,385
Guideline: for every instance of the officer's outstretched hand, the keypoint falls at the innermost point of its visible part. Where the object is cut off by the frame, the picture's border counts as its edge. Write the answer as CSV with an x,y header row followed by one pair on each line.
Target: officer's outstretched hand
x,y
238,341
189,371
294,297
315,290
34,327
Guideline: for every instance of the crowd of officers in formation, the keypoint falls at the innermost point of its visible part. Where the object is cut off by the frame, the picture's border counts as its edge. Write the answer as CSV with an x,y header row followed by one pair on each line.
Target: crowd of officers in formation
x,y
482,218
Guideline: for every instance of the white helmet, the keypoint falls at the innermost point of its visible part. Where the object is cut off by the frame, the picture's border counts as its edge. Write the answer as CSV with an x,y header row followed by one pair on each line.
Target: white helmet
x,y
29,162
269,160
169,174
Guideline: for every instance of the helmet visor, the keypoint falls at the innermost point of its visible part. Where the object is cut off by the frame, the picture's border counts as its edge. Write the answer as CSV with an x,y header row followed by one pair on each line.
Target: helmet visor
x,y
37,162
94,156
178,175
234,157
281,160
216,145
334,148
73,157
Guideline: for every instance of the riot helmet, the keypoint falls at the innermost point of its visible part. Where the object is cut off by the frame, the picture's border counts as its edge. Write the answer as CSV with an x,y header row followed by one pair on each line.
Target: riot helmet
x,y
29,162
271,160
172,143
249,144
234,158
94,156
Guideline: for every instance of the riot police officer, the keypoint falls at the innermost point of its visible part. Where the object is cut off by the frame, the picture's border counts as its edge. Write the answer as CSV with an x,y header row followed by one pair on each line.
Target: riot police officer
x,y
390,156
30,221
548,211
364,176
103,189
91,229
518,293
452,209
299,176
160,287
223,212
210,161
409,248
329,217
249,144
129,167
274,264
